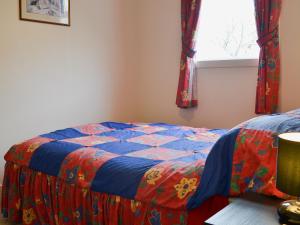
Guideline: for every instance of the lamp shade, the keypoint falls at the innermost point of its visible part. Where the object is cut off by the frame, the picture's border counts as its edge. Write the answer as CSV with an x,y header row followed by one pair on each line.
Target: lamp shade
x,y
288,164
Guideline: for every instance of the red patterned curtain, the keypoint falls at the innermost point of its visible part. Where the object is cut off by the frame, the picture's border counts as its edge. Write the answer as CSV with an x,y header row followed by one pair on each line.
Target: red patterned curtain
x,y
267,92
187,83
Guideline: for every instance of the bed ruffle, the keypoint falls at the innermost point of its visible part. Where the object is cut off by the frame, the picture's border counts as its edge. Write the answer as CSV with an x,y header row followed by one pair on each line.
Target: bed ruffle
x,y
33,198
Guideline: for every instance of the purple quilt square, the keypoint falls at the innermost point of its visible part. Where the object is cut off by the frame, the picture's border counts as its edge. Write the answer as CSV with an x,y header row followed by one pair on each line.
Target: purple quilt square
x,y
160,154
153,139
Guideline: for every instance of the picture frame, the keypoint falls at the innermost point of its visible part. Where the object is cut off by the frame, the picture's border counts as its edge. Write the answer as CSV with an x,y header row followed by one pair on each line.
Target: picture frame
x,y
46,11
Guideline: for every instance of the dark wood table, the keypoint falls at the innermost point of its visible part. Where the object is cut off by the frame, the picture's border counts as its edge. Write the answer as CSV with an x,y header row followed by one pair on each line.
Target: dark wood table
x,y
250,209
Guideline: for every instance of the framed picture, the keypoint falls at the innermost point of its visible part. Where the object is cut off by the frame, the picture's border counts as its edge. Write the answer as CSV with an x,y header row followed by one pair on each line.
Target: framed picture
x,y
46,11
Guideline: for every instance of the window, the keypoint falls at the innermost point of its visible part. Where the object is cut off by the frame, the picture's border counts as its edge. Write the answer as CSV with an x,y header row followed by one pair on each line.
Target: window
x,y
227,31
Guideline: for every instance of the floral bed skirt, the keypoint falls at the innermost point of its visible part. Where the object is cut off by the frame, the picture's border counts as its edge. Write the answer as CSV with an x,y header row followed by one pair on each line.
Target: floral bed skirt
x,y
34,198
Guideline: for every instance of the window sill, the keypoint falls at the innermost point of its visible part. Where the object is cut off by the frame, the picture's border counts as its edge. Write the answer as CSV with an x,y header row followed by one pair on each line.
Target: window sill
x,y
239,63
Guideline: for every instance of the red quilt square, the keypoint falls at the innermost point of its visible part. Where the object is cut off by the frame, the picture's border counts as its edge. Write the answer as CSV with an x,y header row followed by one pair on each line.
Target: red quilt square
x,y
81,166
172,193
22,153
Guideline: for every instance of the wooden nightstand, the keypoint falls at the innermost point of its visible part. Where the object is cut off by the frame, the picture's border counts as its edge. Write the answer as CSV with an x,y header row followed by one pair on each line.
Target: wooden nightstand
x,y
250,209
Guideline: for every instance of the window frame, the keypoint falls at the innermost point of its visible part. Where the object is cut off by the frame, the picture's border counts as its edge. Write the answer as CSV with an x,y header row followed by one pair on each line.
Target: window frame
x,y
228,63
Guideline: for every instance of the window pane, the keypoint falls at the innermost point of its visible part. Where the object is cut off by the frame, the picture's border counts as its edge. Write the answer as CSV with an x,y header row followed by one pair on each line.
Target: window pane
x,y
227,30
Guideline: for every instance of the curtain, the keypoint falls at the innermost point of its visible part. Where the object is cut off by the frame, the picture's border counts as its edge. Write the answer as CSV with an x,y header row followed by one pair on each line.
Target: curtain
x,y
267,92
186,92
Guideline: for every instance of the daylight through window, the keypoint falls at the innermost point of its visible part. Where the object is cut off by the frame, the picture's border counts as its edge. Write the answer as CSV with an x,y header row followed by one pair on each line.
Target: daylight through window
x,y
227,31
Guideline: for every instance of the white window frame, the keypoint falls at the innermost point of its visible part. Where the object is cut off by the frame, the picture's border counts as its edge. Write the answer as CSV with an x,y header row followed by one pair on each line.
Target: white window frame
x,y
230,63
227,63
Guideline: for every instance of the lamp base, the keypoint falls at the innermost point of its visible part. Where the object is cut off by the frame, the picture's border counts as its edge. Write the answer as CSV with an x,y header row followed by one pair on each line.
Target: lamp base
x,y
289,212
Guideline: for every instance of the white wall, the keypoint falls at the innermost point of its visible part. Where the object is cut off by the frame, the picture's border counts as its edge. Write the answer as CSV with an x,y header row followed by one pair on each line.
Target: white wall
x,y
290,49
120,61
54,77
226,96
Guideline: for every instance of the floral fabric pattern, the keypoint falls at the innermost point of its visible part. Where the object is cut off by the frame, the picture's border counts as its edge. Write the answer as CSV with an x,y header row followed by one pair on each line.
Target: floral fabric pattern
x,y
57,202
267,22
256,172
185,187
154,184
51,181
186,96
136,161
255,153
42,199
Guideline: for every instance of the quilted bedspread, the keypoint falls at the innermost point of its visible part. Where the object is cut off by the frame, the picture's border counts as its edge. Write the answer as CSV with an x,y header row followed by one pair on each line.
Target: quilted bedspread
x,y
157,163
171,166
244,159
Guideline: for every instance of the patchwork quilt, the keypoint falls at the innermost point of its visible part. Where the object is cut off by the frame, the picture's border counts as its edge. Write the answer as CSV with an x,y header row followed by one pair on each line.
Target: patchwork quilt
x,y
172,166
244,159
158,163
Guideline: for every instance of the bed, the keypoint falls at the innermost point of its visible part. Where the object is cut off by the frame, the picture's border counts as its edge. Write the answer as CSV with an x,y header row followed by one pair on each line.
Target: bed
x,y
115,173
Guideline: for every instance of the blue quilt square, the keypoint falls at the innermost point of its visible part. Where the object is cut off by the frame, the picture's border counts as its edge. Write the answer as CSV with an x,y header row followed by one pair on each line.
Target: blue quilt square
x,y
176,132
64,134
184,145
49,157
122,175
122,147
117,126
122,134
